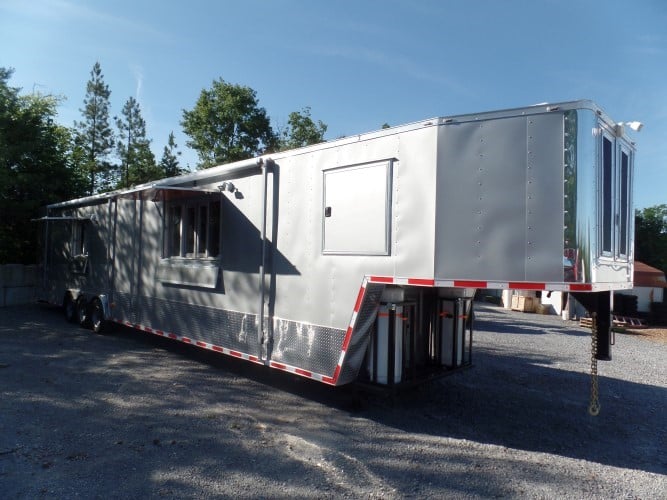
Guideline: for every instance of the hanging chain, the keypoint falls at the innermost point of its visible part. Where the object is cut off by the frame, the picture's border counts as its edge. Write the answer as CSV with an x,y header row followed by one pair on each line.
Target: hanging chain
x,y
594,406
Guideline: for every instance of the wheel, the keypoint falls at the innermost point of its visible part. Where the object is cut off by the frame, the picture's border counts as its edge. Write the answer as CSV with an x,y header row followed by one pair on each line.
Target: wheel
x,y
70,309
82,311
97,322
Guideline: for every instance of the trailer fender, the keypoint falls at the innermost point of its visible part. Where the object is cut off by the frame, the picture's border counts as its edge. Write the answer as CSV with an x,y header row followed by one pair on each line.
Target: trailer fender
x,y
106,306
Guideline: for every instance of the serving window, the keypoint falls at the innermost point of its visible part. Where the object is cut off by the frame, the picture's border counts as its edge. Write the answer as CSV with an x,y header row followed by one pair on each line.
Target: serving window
x,y
192,229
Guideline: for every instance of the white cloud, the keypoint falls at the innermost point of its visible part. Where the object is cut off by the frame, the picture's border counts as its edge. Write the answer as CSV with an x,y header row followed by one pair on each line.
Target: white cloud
x,y
139,78
395,62
63,11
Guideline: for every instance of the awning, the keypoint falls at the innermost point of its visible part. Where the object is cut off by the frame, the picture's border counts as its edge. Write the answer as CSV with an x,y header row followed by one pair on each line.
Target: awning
x,y
64,219
157,192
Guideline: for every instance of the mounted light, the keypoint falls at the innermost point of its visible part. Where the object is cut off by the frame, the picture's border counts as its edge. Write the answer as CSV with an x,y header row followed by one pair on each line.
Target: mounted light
x,y
227,186
634,126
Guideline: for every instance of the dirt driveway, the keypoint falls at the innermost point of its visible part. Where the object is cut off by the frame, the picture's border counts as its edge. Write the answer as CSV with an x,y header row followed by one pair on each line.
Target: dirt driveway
x,y
129,415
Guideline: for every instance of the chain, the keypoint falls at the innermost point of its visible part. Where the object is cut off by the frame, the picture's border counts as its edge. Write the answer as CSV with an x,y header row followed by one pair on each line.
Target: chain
x,y
594,406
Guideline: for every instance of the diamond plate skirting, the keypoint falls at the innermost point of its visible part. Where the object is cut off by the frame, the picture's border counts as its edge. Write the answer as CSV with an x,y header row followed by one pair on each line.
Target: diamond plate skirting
x,y
309,347
360,336
313,348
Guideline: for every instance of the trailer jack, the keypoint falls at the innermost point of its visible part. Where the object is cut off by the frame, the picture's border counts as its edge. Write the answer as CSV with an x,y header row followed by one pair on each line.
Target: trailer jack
x,y
598,305
594,405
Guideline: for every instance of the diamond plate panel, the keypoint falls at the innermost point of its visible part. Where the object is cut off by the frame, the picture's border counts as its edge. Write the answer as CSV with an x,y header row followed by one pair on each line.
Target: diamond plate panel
x,y
123,306
310,347
230,329
359,342
314,348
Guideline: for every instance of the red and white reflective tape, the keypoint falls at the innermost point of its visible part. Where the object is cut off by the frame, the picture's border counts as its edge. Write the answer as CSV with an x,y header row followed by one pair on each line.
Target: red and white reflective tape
x,y
348,334
499,285
229,352
388,280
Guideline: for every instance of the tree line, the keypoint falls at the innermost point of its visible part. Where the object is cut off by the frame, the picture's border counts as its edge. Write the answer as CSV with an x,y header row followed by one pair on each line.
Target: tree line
x,y
43,162
651,236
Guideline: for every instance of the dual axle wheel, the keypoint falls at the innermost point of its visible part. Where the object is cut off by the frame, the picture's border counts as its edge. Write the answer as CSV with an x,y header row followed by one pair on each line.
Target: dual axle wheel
x,y
87,314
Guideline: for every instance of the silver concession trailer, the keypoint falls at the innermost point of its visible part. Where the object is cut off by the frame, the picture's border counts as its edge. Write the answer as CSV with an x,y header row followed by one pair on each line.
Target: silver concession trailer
x,y
358,258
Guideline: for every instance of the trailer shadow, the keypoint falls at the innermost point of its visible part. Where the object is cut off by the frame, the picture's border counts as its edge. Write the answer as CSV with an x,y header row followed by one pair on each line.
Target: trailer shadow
x,y
538,402
533,407
173,420
508,400
518,402
87,415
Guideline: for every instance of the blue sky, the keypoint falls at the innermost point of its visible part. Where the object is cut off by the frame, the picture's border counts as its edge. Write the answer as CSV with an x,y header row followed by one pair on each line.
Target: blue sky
x,y
357,64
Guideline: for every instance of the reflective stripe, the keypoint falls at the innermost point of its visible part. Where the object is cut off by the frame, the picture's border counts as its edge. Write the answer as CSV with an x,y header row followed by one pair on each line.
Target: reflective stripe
x,y
502,285
421,282
236,354
348,335
332,380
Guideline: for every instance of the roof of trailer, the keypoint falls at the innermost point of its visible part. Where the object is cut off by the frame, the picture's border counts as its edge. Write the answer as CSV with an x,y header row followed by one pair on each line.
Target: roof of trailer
x,y
191,180
647,276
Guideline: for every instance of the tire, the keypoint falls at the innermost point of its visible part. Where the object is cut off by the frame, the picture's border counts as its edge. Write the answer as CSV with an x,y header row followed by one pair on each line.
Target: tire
x,y
69,306
82,312
97,321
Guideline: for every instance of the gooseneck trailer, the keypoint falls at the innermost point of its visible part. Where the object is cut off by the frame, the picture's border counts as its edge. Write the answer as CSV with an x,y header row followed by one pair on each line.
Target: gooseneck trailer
x,y
358,258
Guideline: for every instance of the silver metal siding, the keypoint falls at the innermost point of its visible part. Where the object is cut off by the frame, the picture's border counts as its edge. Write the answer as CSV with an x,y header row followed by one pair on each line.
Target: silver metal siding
x,y
414,209
322,288
544,198
499,203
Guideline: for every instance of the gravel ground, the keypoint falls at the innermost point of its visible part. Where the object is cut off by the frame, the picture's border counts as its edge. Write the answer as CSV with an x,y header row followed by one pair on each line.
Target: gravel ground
x,y
129,415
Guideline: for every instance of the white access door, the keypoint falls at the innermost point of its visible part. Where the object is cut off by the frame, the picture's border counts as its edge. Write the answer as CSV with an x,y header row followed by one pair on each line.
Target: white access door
x,y
357,210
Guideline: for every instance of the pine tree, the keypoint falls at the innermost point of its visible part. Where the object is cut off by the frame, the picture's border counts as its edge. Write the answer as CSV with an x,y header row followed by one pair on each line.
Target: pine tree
x,y
95,138
169,162
138,161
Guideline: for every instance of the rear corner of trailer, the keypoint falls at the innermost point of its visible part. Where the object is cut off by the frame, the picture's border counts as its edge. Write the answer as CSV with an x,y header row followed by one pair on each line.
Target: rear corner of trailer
x,y
599,215
535,198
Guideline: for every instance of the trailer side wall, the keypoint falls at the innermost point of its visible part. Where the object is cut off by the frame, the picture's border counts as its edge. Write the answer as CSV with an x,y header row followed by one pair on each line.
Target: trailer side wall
x,y
500,199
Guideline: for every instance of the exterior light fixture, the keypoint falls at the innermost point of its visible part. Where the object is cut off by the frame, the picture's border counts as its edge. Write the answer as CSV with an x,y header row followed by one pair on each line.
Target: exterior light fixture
x,y
635,126
227,186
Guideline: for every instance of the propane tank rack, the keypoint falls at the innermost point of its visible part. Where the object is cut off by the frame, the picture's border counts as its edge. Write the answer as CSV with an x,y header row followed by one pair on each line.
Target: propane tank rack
x,y
419,339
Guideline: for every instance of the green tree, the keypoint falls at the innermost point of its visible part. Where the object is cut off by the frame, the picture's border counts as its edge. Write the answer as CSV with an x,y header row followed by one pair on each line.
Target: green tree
x,y
169,164
651,236
301,130
95,138
227,124
133,147
35,168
